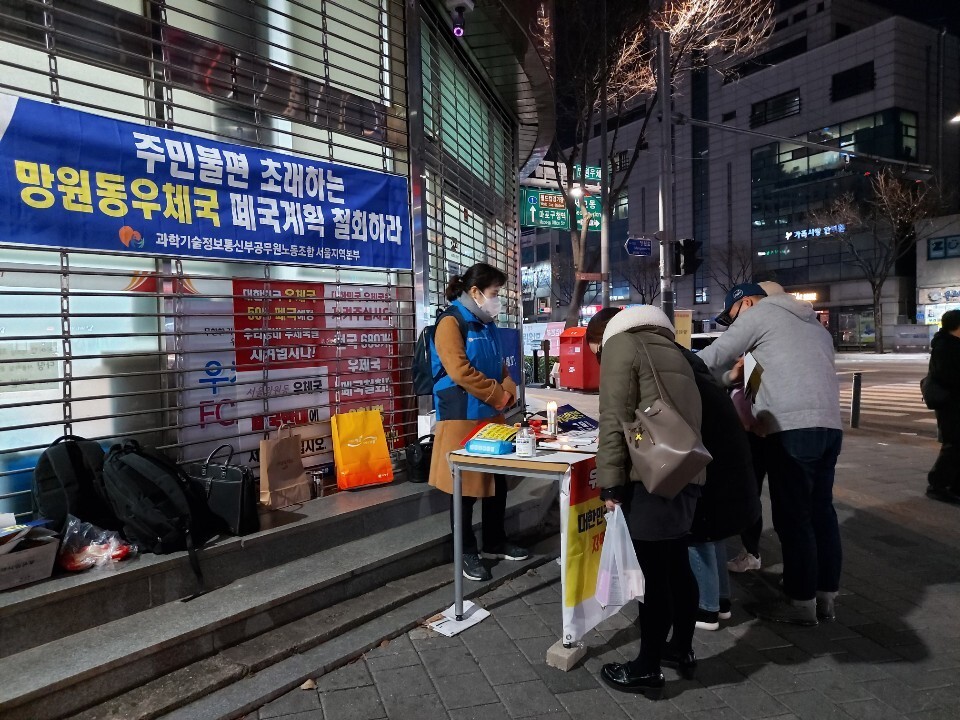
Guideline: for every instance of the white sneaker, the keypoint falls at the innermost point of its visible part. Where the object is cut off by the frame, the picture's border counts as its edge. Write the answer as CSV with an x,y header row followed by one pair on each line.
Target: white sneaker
x,y
743,562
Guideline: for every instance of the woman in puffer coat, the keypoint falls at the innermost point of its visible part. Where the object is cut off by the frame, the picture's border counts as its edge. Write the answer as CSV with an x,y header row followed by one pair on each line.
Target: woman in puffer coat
x,y
659,527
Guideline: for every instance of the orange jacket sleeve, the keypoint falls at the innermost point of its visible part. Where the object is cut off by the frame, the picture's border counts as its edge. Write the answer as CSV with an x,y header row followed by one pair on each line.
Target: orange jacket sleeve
x,y
453,357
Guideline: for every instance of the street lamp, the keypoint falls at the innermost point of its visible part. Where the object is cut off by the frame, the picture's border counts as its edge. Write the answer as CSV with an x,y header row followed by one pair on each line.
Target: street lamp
x,y
956,118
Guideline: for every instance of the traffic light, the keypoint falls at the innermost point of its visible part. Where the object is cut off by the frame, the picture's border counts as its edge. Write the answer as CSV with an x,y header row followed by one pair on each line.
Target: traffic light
x,y
685,260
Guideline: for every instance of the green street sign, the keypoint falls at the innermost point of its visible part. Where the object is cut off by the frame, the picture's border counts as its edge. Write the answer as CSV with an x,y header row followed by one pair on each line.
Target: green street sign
x,y
543,208
593,173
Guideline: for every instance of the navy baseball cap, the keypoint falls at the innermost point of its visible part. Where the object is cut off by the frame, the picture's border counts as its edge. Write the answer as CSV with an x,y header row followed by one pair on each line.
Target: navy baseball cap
x,y
735,295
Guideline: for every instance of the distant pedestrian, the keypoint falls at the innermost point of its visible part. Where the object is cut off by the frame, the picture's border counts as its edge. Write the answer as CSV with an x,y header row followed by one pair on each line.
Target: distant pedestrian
x,y
797,406
944,476
472,385
659,527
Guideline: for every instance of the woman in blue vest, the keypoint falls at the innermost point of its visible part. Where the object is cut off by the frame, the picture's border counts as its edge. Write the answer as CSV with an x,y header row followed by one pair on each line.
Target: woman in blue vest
x,y
473,385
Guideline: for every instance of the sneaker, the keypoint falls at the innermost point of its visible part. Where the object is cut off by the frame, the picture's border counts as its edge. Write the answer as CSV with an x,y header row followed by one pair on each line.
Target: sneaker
x,y
473,569
506,551
724,613
793,612
743,562
707,620
825,607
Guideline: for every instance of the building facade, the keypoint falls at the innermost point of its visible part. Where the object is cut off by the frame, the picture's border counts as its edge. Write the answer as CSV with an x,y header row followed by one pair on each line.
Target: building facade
x,y
140,300
840,72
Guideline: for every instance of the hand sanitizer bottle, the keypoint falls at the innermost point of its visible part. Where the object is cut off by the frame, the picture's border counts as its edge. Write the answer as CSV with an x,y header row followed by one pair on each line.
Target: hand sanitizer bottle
x,y
526,441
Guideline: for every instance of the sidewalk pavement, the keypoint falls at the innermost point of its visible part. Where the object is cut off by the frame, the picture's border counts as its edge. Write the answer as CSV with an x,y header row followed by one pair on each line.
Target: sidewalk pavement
x,y
892,653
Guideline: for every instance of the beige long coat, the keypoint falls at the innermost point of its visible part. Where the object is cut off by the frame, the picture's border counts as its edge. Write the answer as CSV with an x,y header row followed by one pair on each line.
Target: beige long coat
x,y
450,433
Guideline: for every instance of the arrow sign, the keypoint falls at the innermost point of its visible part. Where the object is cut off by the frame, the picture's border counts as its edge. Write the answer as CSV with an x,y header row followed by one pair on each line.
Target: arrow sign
x,y
639,246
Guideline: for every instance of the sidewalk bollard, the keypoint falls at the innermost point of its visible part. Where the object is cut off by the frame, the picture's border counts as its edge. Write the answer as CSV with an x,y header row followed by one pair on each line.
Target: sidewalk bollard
x,y
536,367
855,400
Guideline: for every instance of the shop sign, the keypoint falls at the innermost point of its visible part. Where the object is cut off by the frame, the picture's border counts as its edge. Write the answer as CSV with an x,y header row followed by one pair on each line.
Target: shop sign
x,y
71,179
823,231
285,352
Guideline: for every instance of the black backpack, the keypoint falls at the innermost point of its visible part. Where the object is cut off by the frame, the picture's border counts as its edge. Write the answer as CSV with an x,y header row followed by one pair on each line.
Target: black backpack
x,y
419,455
423,377
68,480
159,508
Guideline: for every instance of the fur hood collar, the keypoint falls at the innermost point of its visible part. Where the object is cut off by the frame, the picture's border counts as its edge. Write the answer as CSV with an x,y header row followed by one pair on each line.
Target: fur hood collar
x,y
636,317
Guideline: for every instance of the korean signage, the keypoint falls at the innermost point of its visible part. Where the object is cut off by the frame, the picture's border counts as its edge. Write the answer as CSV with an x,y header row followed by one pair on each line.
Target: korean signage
x,y
943,247
592,174
825,231
286,352
545,208
76,180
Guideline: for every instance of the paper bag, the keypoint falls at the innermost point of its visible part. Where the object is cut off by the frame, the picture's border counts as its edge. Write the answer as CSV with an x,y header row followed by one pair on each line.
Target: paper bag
x,y
283,480
360,450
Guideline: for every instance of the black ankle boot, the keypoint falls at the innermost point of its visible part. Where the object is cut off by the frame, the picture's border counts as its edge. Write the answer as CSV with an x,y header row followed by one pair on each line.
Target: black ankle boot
x,y
685,663
621,677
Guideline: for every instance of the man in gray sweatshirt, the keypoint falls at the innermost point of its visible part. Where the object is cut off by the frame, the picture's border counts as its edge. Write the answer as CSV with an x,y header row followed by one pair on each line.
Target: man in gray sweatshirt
x,y
797,406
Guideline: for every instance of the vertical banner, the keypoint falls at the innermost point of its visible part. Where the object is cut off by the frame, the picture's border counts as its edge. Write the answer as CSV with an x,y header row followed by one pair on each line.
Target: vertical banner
x,y
582,526
683,322
512,358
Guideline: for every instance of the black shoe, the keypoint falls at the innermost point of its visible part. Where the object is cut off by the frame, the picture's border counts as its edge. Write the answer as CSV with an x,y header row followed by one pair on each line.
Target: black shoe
x,y
619,677
473,569
724,613
507,551
707,620
943,495
685,663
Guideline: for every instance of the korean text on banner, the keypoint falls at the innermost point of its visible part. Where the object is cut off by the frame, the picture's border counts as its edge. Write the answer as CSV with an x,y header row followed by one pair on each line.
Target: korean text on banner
x,y
582,527
360,450
76,180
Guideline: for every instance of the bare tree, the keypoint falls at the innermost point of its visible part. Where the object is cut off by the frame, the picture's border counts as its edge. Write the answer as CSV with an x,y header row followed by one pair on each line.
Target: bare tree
x,y
881,228
731,265
643,274
703,33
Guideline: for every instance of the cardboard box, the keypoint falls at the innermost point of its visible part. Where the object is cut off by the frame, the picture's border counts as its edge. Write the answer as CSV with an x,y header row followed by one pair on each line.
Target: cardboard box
x,y
31,560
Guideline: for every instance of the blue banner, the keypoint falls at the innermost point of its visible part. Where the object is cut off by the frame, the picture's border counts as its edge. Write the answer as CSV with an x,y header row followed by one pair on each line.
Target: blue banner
x,y
512,357
70,179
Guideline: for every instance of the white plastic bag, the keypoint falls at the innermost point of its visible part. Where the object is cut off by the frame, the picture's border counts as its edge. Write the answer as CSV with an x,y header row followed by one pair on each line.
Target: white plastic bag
x,y
620,578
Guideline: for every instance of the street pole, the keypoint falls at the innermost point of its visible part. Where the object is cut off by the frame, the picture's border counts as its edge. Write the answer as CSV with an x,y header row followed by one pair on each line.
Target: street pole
x,y
666,177
605,213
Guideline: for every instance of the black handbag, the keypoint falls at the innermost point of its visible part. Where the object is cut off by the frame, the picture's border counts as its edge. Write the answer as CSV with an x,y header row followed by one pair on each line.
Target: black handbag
x,y
418,459
935,395
230,491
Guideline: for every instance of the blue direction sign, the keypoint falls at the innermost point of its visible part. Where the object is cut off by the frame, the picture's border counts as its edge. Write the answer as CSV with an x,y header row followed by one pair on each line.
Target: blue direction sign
x,y
639,246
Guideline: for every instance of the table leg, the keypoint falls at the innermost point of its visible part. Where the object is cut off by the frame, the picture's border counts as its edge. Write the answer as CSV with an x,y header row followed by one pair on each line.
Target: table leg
x,y
457,543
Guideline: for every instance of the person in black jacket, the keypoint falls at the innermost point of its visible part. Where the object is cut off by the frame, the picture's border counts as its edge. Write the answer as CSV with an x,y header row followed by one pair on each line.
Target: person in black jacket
x,y
729,503
944,476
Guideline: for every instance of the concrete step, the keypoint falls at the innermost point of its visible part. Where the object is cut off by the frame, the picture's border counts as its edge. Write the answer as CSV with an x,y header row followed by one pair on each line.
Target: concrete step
x,y
46,611
80,670
255,672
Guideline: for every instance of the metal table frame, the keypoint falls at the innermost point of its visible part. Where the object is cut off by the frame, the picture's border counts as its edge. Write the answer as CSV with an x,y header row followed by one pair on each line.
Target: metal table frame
x,y
545,468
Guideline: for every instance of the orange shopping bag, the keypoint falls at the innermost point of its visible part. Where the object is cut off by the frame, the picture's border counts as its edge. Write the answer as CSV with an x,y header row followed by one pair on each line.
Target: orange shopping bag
x,y
360,449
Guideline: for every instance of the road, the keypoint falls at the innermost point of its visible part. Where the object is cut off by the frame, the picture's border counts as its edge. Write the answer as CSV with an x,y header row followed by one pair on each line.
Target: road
x,y
890,399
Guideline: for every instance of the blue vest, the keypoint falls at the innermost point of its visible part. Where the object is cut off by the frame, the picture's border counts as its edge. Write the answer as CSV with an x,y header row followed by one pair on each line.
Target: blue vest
x,y
485,353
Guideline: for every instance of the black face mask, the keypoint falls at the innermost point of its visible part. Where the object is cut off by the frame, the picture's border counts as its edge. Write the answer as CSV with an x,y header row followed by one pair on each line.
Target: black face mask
x,y
598,353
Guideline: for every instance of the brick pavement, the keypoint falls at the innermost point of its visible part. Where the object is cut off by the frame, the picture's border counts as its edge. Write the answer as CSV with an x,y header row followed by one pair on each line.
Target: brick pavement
x,y
893,652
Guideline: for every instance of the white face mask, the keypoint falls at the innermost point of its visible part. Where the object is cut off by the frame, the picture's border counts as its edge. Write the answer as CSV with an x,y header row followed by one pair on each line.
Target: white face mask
x,y
492,306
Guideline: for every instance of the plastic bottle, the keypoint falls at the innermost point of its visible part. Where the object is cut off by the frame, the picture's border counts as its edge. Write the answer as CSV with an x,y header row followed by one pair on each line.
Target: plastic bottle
x,y
526,441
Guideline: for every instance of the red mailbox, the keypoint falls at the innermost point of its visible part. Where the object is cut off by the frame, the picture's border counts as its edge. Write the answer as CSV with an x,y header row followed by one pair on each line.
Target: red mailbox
x,y
579,368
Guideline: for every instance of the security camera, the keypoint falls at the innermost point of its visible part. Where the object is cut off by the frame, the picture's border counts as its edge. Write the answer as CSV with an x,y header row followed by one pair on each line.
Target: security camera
x,y
458,9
